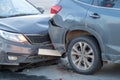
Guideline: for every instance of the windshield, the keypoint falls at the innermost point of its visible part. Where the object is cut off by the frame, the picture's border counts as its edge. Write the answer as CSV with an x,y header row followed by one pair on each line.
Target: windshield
x,y
16,7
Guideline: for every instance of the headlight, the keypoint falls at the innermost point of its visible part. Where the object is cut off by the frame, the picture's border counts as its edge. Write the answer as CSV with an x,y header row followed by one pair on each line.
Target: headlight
x,y
12,36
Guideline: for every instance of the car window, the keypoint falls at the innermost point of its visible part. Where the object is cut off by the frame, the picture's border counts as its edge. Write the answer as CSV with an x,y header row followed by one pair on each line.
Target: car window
x,y
85,1
109,3
15,7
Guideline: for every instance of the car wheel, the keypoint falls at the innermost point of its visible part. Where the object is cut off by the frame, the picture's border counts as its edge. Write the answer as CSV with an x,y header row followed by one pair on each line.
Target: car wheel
x,y
84,55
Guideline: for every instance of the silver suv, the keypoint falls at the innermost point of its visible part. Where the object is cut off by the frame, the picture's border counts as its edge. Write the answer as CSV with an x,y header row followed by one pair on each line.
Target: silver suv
x,y
87,32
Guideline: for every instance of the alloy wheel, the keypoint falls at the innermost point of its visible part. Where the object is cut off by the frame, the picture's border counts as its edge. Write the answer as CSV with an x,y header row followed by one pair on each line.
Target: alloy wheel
x,y
82,55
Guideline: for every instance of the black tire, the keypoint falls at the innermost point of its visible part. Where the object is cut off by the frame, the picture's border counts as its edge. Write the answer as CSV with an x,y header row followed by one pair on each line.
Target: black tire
x,y
95,60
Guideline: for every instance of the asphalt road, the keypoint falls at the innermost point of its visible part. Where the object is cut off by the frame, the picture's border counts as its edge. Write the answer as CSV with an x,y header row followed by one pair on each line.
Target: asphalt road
x,y
59,72
108,72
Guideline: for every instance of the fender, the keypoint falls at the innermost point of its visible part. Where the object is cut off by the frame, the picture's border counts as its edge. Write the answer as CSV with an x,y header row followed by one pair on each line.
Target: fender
x,y
91,31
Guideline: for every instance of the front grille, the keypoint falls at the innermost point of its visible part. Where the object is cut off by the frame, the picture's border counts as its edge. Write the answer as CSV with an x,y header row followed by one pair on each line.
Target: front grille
x,y
38,38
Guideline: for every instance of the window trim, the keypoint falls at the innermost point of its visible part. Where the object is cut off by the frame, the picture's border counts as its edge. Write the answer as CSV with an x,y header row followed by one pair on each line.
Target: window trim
x,y
91,3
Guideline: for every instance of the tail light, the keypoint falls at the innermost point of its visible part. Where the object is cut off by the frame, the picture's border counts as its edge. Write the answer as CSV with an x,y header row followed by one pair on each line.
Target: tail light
x,y
55,9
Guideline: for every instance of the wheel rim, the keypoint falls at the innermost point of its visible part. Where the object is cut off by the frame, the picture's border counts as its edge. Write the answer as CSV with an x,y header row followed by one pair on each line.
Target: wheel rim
x,y
82,55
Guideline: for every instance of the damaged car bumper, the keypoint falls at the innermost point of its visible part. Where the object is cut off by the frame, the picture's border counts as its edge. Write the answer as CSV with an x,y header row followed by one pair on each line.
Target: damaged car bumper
x,y
14,53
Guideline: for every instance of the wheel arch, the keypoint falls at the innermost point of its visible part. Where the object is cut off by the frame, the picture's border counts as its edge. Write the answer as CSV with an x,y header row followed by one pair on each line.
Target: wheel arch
x,y
74,33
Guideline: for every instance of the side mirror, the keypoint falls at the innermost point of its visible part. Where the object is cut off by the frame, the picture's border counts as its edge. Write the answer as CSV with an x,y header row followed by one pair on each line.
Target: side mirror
x,y
40,9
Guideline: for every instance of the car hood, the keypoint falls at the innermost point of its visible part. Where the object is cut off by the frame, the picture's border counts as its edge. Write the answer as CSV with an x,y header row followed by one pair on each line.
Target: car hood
x,y
32,24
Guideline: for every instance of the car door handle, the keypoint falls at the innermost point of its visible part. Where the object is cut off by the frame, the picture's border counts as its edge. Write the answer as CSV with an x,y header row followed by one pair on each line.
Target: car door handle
x,y
94,15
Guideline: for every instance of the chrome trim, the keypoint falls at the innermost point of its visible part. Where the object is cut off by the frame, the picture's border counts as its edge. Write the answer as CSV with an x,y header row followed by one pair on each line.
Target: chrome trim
x,y
83,2
34,34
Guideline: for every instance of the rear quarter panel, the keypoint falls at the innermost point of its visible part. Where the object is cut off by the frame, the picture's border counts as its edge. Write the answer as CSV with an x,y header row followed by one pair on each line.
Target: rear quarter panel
x,y
71,17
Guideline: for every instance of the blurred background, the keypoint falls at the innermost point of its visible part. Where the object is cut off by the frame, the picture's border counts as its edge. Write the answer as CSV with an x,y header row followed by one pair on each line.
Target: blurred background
x,y
45,4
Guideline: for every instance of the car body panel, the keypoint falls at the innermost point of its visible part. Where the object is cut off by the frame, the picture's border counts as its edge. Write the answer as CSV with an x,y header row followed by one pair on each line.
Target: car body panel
x,y
107,26
25,24
63,22
104,27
